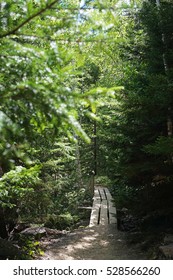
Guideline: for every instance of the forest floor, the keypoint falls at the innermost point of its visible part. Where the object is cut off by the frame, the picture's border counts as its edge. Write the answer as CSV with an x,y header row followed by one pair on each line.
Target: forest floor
x,y
91,243
101,241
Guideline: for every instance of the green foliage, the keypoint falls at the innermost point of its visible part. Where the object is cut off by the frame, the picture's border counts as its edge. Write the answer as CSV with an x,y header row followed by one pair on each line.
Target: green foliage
x,y
16,184
125,196
134,149
103,181
84,87
63,221
44,67
30,247
162,146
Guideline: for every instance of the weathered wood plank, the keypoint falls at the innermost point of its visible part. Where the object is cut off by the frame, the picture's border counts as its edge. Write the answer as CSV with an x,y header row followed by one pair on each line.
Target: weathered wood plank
x,y
103,209
104,213
108,195
96,194
94,213
112,213
102,193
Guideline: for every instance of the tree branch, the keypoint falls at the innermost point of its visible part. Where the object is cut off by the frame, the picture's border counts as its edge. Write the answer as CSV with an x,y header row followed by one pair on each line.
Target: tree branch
x,y
13,31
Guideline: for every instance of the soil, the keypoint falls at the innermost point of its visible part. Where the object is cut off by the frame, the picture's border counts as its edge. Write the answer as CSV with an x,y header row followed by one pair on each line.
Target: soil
x,y
91,243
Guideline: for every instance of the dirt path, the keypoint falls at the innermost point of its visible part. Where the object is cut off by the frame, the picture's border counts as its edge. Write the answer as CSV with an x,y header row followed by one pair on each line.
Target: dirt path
x,y
100,241
92,243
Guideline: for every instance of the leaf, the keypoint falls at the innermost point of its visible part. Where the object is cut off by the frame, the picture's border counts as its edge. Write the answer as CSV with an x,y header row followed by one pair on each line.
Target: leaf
x,y
29,7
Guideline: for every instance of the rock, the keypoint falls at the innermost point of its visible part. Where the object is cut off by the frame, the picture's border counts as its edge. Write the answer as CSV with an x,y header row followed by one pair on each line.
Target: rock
x,y
55,232
36,232
39,232
125,210
167,251
168,239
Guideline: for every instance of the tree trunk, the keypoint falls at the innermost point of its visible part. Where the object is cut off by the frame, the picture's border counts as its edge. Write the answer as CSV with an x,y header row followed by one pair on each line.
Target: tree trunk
x,y
78,167
95,148
165,63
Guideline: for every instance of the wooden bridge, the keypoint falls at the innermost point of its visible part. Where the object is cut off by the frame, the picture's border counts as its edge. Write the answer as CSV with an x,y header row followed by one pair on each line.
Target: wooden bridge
x,y
100,241
103,210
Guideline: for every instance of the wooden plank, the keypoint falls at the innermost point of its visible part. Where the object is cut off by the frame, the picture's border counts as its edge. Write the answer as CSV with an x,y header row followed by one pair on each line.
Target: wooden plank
x,y
108,195
85,207
111,209
104,213
96,194
112,213
102,194
94,213
102,205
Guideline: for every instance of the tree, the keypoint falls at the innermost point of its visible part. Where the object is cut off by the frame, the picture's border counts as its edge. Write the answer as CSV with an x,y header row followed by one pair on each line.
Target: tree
x,y
41,104
136,138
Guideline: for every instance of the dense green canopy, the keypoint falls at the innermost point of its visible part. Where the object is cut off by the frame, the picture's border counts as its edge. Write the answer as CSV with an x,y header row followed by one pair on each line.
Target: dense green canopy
x,y
85,86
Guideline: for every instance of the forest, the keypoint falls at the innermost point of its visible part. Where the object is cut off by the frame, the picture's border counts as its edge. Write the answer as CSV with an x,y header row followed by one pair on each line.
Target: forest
x,y
86,97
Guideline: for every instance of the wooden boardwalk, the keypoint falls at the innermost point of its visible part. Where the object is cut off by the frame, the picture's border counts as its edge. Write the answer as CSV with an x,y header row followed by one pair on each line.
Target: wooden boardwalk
x,y
100,241
103,210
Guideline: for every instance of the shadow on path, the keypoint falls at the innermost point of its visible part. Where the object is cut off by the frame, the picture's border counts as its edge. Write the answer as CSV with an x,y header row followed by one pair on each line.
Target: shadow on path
x,y
93,243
